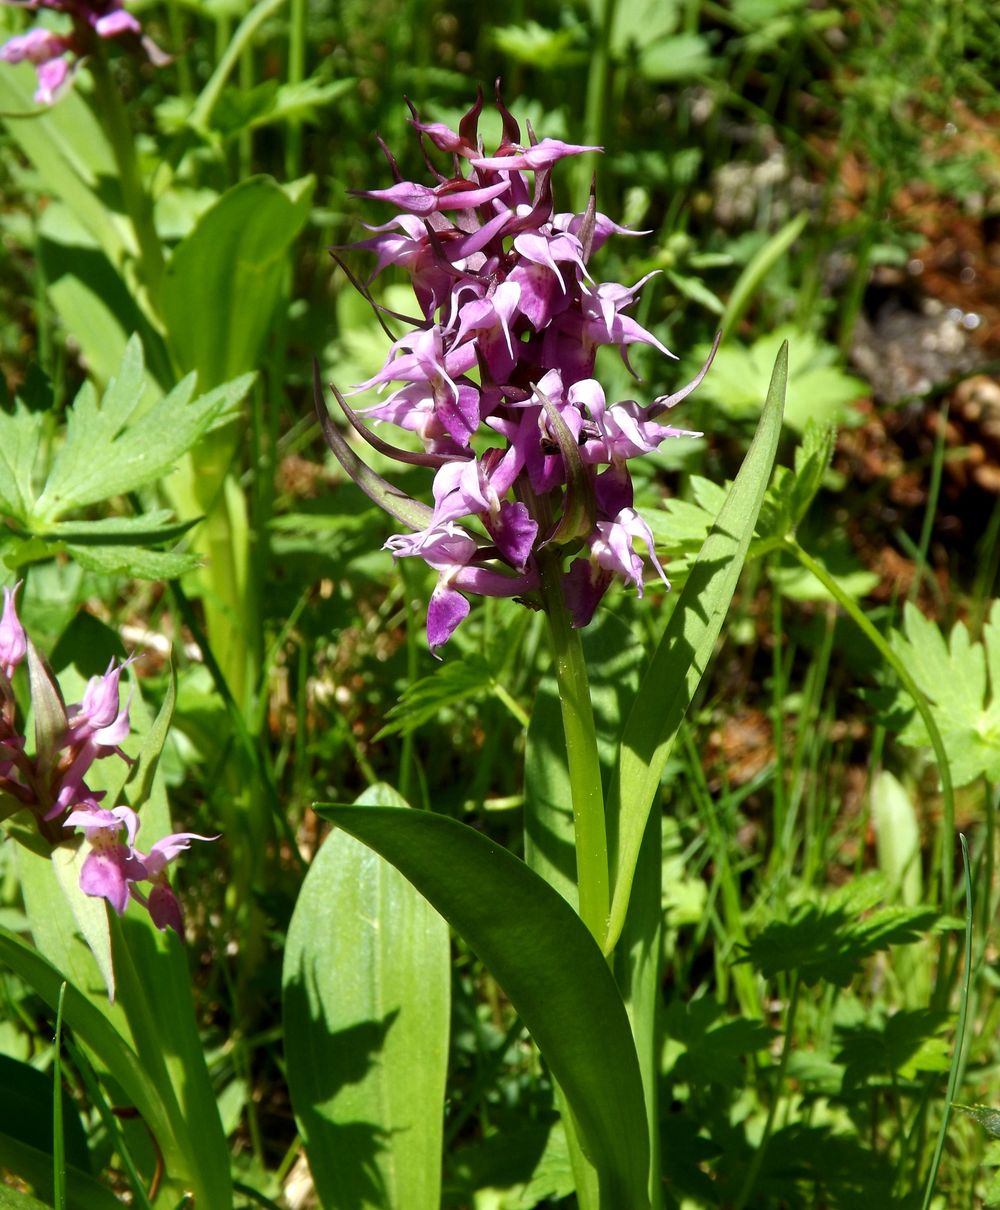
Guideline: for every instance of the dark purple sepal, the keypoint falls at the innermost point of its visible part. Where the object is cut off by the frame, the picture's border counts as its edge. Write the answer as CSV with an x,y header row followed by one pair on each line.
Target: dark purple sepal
x,y
446,610
583,587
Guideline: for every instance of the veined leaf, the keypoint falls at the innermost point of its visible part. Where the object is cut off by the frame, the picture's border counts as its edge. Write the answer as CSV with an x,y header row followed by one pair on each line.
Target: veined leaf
x,y
828,942
134,450
961,680
366,1014
548,964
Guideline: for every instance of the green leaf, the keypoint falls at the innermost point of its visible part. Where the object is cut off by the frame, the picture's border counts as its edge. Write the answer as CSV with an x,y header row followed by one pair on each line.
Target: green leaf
x,y
224,279
457,681
683,57
366,1018
829,942
70,152
986,1115
901,1045
684,651
94,1029
26,1096
35,1166
537,46
20,436
134,561
111,449
961,680
705,1046
549,966
817,388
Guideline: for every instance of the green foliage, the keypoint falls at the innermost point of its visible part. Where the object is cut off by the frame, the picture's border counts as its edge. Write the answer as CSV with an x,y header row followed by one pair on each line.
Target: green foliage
x,y
829,941
961,680
818,389
111,447
548,965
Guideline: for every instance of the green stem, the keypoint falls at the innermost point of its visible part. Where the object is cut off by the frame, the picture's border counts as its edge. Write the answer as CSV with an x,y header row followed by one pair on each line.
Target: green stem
x,y
244,35
758,1156
857,615
584,767
138,203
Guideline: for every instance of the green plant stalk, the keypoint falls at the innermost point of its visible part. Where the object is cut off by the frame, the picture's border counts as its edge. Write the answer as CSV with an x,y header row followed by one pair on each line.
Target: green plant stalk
x,y
138,203
584,767
245,33
58,1136
858,616
761,1150
598,88
963,1016
296,74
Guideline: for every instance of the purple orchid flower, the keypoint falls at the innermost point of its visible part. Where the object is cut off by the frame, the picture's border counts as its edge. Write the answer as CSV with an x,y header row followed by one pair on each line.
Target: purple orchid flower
x,y
51,783
13,643
506,347
55,56
114,866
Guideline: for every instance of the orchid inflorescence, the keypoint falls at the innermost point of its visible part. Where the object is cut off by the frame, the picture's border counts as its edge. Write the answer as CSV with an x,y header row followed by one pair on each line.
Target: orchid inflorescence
x,y
505,348
55,55
51,783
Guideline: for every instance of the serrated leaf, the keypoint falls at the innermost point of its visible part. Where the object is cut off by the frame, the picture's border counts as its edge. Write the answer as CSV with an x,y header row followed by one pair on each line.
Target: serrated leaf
x,y
987,1116
901,1045
960,680
148,529
20,436
134,450
829,943
134,561
456,681
817,388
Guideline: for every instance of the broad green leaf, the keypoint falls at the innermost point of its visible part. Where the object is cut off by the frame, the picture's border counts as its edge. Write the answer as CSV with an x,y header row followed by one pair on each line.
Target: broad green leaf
x,y
546,961
961,680
684,651
366,1018
224,279
20,436
97,304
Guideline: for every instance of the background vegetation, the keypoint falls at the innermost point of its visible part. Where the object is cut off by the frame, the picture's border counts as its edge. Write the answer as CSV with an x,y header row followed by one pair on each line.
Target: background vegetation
x,y
821,172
